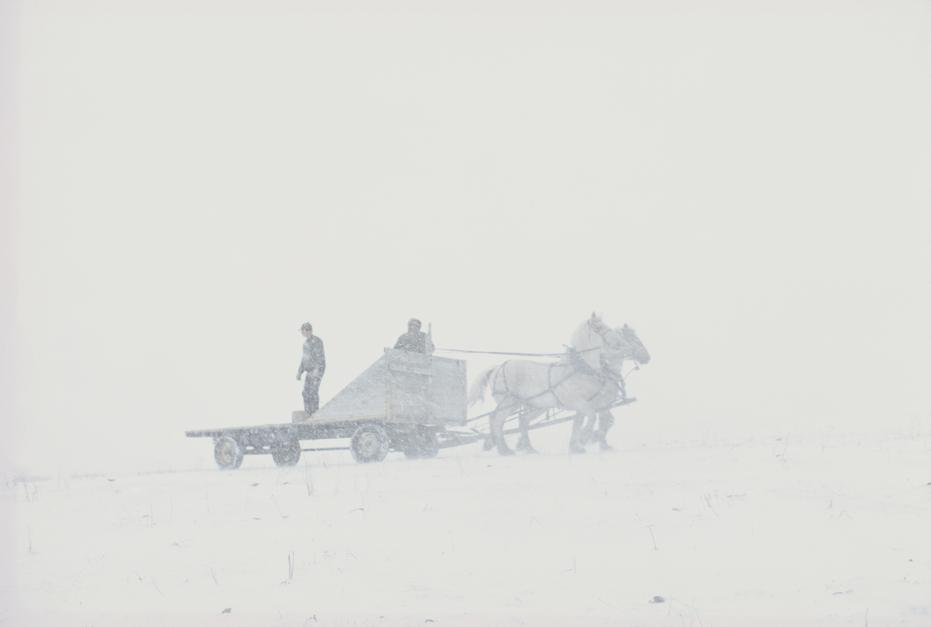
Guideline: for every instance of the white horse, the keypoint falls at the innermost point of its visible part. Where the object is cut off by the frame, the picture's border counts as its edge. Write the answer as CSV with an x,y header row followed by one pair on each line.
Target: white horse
x,y
623,338
587,379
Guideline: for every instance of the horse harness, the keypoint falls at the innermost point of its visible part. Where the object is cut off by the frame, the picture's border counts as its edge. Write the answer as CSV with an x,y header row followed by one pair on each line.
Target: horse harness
x,y
576,367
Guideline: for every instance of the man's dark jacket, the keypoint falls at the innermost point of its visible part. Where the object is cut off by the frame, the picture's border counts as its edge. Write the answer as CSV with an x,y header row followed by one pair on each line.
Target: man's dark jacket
x,y
313,359
415,341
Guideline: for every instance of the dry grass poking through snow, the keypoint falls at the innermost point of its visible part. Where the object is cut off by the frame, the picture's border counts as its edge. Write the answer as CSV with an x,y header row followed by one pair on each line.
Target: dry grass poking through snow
x,y
824,532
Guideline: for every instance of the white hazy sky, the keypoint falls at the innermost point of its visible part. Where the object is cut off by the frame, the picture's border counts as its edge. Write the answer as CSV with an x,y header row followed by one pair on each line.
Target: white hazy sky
x,y
183,183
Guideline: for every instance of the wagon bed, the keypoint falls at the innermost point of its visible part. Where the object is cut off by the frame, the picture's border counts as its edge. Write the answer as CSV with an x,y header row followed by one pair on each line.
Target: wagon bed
x,y
402,402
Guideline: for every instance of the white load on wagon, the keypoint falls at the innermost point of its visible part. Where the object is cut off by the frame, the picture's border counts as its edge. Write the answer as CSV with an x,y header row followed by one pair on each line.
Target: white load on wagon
x,y
400,387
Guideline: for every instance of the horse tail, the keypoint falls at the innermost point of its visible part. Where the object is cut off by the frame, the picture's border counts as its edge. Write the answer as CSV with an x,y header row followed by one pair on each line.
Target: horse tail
x,y
477,391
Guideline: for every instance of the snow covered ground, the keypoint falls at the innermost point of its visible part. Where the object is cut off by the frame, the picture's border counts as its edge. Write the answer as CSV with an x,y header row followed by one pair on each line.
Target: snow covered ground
x,y
821,530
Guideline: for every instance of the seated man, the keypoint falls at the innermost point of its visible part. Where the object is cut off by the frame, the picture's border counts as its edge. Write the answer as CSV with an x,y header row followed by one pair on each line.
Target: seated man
x,y
415,340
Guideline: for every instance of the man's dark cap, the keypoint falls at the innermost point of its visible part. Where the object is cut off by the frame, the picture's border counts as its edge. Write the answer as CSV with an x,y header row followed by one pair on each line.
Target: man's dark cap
x,y
413,322
307,327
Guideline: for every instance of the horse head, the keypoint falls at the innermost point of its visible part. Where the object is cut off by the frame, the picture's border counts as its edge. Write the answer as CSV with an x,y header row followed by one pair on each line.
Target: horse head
x,y
630,344
620,344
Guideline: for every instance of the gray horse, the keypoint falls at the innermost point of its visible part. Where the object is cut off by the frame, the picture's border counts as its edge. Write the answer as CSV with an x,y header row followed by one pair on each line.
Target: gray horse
x,y
626,337
587,379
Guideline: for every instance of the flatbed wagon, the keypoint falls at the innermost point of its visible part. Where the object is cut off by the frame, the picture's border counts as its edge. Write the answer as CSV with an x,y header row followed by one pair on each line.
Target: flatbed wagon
x,y
403,402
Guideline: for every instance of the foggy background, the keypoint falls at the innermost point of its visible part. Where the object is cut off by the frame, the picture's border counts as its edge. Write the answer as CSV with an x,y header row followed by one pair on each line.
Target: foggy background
x,y
185,183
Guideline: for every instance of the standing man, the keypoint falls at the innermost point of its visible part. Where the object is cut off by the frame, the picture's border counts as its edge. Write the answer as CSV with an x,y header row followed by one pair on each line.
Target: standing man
x,y
313,362
415,340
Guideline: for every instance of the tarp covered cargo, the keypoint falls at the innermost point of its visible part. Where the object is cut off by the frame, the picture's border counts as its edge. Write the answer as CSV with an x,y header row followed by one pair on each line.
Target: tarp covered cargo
x,y
401,387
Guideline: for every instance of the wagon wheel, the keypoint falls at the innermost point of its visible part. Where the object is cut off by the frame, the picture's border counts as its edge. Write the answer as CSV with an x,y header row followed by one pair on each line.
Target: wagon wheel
x,y
422,444
228,453
369,443
287,454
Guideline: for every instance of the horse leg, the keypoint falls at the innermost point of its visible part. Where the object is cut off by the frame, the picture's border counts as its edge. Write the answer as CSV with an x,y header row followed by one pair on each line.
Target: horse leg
x,y
575,445
587,433
605,422
489,442
496,424
523,444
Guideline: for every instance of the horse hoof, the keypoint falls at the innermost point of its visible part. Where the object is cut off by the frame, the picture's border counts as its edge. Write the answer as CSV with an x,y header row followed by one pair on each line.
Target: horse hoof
x,y
530,450
576,449
525,447
505,451
606,447
488,444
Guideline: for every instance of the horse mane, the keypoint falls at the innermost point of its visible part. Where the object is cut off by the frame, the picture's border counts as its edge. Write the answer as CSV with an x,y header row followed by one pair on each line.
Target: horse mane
x,y
588,336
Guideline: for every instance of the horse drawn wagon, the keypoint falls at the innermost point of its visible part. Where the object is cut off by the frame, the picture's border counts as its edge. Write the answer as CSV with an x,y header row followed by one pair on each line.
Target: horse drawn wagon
x,y
416,404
